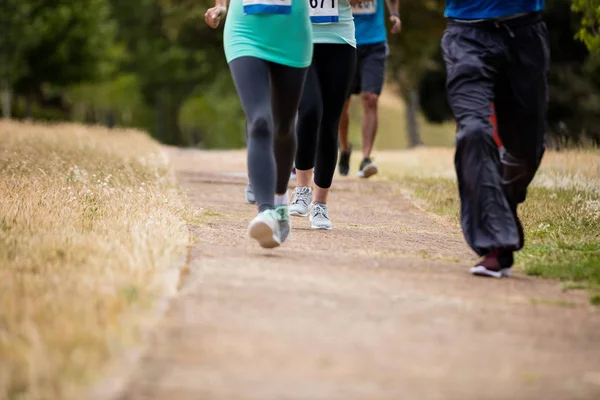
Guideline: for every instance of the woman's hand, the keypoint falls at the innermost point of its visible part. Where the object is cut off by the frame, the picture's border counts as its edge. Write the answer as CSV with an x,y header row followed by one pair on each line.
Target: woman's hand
x,y
214,15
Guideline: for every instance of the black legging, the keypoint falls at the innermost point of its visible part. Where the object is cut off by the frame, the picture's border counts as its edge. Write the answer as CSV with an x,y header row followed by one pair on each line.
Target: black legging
x,y
325,92
270,94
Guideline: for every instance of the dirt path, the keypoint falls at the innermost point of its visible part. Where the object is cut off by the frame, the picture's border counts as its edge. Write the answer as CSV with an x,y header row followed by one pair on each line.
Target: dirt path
x,y
379,308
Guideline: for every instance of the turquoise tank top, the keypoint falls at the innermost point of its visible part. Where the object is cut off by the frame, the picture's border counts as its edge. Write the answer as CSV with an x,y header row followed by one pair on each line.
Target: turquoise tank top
x,y
335,32
280,38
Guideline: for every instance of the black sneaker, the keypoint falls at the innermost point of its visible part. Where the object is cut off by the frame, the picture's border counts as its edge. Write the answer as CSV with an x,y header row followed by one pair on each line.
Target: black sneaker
x,y
344,164
367,168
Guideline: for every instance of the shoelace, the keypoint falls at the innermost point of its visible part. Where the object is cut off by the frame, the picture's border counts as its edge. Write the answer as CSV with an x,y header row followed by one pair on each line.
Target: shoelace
x,y
319,210
302,196
282,213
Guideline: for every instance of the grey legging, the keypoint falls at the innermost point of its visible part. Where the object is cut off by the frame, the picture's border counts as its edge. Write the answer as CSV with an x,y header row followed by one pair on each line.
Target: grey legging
x,y
270,94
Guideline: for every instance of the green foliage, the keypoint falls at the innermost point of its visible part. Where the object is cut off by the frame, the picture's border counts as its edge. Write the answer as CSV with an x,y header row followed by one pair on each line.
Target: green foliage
x,y
589,32
214,124
172,52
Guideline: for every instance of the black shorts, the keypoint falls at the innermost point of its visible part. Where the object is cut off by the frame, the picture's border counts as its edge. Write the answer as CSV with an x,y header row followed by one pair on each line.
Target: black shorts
x,y
370,70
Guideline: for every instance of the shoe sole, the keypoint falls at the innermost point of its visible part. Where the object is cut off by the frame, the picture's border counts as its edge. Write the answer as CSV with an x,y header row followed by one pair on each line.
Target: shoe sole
x,y
368,171
323,228
483,271
263,234
297,214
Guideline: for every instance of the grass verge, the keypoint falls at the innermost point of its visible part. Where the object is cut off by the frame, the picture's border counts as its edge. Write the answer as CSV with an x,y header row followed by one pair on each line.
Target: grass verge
x,y
89,219
561,216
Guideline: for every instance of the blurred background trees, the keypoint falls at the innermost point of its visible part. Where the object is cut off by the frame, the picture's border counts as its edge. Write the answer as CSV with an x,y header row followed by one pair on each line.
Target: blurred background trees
x,y
155,65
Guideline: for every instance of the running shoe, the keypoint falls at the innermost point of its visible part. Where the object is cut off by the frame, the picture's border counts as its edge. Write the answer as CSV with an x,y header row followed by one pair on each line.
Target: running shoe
x,y
344,164
293,174
367,168
265,229
319,217
496,264
301,202
285,224
250,195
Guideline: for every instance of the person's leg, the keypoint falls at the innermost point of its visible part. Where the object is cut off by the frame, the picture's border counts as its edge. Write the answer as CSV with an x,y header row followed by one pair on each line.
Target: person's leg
x,y
309,119
345,127
373,75
251,78
473,58
521,104
336,65
344,130
286,90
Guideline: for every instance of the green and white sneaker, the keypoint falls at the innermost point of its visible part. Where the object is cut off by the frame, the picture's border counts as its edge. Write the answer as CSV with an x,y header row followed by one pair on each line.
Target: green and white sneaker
x,y
319,217
301,202
271,227
265,229
285,224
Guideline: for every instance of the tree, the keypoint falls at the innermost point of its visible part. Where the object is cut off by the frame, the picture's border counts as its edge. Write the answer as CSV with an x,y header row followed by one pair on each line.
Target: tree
x,y
411,54
172,52
15,38
74,44
589,31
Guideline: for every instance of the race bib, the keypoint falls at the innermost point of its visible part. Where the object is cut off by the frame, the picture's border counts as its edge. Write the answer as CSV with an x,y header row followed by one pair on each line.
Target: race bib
x,y
267,6
324,11
365,8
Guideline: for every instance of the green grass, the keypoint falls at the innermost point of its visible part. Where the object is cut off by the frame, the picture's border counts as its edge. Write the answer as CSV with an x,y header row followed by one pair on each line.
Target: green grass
x,y
561,216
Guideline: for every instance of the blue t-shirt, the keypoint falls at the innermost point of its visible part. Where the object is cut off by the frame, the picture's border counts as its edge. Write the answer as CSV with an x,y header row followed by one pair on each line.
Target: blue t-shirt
x,y
482,9
369,24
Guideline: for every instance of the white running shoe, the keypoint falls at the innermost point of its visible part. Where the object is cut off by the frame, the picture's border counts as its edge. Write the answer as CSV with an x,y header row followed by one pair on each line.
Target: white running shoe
x,y
265,229
367,168
301,202
319,217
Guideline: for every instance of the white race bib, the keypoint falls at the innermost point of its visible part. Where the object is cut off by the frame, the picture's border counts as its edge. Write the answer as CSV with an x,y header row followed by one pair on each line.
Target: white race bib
x,y
365,8
267,6
324,11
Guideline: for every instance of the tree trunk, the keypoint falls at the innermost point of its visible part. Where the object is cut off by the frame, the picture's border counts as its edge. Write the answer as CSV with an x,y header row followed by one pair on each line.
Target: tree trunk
x,y
6,100
174,134
412,110
29,107
159,133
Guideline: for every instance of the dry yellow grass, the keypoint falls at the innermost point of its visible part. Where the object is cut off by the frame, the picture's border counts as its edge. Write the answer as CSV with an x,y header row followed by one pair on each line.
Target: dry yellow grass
x,y
89,218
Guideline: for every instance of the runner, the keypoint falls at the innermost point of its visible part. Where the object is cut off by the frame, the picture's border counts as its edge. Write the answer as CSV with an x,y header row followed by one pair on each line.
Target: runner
x,y
496,51
326,89
370,74
268,48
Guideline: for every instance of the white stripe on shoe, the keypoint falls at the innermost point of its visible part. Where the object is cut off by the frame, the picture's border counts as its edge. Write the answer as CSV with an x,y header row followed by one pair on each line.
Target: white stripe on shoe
x,y
480,270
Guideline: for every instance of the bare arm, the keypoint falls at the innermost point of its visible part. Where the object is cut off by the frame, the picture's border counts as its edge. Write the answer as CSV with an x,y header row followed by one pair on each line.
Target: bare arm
x,y
214,15
394,9
393,6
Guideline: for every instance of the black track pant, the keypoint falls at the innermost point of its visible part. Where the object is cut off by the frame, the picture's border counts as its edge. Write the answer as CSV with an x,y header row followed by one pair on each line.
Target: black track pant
x,y
505,63
270,94
327,87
